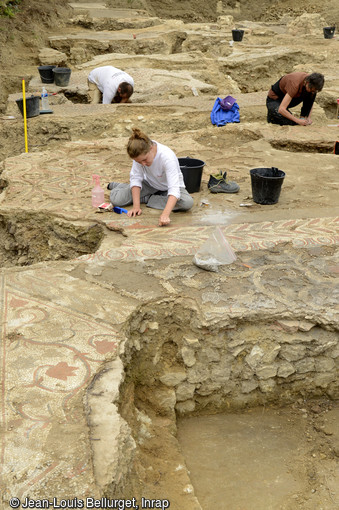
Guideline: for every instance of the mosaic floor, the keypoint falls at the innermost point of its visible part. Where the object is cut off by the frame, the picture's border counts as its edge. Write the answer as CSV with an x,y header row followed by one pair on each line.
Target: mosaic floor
x,y
58,331
148,243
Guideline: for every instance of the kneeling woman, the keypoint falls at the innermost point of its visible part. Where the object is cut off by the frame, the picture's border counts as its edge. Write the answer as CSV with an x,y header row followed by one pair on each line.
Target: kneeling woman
x,y
155,180
291,90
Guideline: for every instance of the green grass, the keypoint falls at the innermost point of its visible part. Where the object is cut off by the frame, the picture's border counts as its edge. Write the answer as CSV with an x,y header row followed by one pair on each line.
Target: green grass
x,y
9,9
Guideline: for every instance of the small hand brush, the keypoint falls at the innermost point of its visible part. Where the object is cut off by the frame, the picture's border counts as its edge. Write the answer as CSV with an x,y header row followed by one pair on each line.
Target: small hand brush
x,y
119,210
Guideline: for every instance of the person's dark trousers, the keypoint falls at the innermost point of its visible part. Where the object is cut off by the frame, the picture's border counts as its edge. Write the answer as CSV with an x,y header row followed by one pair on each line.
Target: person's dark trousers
x,y
276,118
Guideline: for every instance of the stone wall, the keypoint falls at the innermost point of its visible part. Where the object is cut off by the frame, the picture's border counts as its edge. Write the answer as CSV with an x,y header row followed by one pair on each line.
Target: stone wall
x,y
179,361
207,369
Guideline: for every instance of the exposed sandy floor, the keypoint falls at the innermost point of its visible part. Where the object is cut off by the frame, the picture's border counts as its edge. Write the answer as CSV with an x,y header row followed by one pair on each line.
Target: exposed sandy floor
x,y
264,458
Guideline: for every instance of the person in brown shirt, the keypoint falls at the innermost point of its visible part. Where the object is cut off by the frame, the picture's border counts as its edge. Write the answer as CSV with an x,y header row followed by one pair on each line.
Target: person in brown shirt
x,y
291,90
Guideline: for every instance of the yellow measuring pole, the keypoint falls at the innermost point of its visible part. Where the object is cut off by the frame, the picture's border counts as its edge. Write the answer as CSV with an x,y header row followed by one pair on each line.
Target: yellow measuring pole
x,y
25,116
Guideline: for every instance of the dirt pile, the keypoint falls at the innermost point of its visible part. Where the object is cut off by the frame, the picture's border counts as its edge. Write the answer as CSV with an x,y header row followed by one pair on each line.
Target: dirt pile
x,y
22,36
200,11
274,11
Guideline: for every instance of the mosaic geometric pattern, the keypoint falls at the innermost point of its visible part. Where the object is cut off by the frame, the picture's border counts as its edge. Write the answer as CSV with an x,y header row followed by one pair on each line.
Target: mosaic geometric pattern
x,y
145,242
56,184
49,354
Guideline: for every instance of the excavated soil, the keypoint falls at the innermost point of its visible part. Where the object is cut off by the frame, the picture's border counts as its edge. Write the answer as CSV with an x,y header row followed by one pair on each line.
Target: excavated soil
x,y
311,422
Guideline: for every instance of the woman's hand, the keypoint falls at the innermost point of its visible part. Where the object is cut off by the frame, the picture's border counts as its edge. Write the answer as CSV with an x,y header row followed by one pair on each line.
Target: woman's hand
x,y
165,215
305,121
164,220
136,211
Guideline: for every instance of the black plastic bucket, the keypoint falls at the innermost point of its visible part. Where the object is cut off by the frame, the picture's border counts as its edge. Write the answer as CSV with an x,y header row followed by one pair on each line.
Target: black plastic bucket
x,y
46,74
266,185
237,34
32,106
328,32
62,76
192,172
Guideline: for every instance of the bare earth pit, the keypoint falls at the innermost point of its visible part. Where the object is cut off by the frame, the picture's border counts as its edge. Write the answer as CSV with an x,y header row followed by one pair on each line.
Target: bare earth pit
x,y
265,457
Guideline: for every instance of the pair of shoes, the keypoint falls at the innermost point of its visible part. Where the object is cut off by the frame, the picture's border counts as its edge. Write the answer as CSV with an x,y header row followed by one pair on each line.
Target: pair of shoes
x,y
112,185
218,184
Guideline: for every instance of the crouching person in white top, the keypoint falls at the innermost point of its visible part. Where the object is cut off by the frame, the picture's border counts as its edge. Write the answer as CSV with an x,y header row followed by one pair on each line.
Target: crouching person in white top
x,y
155,180
108,85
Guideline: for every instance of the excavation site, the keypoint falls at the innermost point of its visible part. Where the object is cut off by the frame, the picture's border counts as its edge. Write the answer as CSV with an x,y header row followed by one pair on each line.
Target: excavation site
x,y
184,359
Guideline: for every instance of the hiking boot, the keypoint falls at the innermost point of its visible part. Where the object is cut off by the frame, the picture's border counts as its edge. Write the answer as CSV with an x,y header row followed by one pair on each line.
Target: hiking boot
x,y
112,185
218,184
